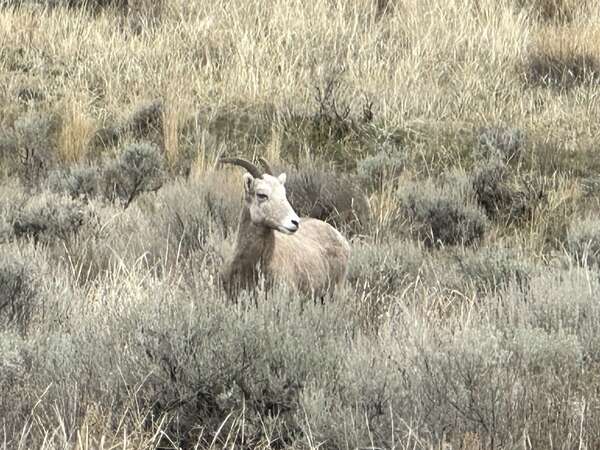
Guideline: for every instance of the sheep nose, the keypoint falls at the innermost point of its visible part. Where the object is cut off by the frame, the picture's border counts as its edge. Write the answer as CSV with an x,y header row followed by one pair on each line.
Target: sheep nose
x,y
295,223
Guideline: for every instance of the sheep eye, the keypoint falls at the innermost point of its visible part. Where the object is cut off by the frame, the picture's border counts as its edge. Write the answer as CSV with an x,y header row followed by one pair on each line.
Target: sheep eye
x,y
262,197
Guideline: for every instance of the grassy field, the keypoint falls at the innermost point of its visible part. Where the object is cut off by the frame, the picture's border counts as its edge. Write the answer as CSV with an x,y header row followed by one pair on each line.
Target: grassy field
x,y
454,142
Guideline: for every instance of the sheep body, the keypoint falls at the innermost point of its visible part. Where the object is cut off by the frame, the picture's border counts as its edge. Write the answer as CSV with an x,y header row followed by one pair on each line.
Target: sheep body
x,y
314,259
305,254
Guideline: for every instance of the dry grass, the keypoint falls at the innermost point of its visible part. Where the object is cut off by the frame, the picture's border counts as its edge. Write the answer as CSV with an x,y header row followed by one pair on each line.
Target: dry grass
x,y
76,132
177,111
552,217
556,10
565,57
213,56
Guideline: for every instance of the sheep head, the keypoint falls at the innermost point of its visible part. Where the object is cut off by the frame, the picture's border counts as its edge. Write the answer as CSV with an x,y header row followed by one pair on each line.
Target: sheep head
x,y
266,198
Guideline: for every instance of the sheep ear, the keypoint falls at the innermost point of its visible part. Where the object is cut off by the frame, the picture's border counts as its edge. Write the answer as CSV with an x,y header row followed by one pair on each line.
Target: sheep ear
x,y
248,183
282,178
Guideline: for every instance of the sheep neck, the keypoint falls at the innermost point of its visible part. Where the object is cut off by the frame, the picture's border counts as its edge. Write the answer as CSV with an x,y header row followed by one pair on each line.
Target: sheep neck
x,y
254,243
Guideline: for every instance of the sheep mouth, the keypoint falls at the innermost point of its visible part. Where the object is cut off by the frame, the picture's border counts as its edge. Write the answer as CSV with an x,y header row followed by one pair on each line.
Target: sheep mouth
x,y
287,230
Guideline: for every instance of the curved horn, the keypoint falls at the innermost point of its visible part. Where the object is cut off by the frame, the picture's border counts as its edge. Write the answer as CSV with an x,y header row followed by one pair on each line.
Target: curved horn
x,y
251,168
266,165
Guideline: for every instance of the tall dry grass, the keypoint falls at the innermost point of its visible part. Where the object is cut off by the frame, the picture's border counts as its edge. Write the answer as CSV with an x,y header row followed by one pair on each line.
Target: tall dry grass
x,y
436,63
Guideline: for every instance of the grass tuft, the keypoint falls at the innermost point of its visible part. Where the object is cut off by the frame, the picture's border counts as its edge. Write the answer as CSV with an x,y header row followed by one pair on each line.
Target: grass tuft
x,y
18,295
564,58
48,217
438,218
139,168
504,195
326,196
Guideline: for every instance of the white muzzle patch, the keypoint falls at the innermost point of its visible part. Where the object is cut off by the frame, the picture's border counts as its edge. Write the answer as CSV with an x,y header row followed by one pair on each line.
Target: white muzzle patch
x,y
290,225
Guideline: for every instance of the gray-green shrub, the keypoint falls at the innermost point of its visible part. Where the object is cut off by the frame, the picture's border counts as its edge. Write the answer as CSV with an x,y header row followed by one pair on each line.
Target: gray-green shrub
x,y
501,143
139,168
583,241
480,378
78,182
185,218
379,272
328,196
35,146
398,357
492,190
502,194
384,268
491,268
299,372
438,217
18,294
145,120
381,168
47,217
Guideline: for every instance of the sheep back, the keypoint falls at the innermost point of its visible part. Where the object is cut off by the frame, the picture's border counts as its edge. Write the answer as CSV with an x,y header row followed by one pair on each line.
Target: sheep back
x,y
314,259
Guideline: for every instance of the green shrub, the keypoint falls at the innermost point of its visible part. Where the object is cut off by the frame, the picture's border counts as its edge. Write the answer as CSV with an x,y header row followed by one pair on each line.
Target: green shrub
x,y
384,268
437,217
503,195
77,182
377,170
48,217
28,94
18,295
505,144
146,119
35,147
328,196
489,268
583,241
564,57
139,168
185,218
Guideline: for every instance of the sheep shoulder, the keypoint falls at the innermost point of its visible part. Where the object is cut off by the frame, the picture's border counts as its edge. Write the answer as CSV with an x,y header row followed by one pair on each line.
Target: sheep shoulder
x,y
315,258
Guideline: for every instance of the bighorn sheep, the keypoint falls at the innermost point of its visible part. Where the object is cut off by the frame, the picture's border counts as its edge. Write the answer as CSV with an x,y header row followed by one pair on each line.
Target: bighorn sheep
x,y
306,254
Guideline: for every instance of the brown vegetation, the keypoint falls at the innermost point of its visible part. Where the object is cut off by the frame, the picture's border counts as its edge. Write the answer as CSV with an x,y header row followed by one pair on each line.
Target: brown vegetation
x,y
565,57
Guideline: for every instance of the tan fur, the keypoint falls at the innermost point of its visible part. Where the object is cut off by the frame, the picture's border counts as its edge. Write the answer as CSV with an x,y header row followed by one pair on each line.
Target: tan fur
x,y
313,260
